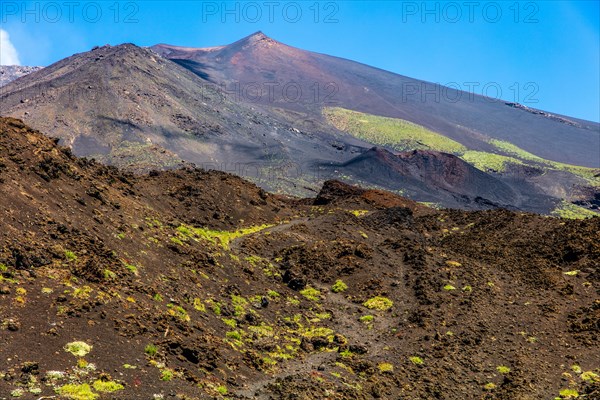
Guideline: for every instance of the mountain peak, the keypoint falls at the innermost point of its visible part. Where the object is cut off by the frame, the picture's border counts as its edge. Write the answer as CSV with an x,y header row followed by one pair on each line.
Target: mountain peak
x,y
257,37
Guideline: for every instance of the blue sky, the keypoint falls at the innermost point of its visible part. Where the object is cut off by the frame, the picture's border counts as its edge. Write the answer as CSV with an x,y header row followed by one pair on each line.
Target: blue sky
x,y
544,54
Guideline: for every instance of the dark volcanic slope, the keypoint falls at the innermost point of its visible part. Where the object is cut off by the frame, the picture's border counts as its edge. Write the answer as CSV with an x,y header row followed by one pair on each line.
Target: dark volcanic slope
x,y
419,171
127,106
149,286
260,59
97,101
443,179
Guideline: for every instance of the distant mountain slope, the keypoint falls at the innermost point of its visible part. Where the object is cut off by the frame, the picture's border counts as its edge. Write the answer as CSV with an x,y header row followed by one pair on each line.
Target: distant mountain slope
x,y
442,179
9,73
503,160
262,60
130,107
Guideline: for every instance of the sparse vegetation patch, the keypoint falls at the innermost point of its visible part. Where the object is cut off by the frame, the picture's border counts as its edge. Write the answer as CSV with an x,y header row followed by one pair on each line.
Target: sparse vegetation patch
x,y
78,349
379,303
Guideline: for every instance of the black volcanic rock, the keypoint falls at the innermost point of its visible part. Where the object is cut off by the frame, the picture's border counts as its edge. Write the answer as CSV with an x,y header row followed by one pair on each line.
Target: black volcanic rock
x,y
335,190
137,268
441,178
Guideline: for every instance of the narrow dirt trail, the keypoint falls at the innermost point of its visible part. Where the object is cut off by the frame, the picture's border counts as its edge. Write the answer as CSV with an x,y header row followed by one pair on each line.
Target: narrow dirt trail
x,y
305,365
335,303
236,243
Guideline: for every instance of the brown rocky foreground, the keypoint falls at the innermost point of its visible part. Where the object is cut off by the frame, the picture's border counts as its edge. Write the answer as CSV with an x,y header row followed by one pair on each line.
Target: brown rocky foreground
x,y
198,285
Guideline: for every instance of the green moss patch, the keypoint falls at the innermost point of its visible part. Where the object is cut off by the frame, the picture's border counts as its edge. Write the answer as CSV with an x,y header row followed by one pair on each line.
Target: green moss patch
x,y
391,132
379,303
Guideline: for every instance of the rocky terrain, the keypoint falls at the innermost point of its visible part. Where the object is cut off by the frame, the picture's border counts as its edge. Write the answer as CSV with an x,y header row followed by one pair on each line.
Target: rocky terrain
x,y
441,179
189,284
9,73
232,108
129,107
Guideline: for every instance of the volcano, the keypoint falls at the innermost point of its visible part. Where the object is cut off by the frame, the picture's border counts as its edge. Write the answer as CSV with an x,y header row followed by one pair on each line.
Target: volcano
x,y
259,59
288,119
